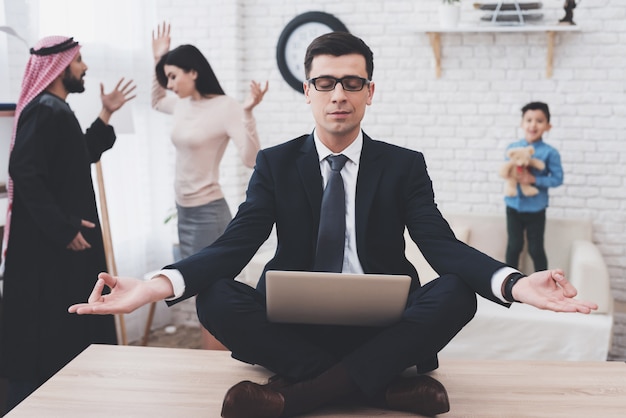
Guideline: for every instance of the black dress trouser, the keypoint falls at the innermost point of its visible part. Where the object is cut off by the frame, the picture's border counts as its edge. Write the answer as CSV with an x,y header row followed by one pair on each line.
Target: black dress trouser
x,y
235,314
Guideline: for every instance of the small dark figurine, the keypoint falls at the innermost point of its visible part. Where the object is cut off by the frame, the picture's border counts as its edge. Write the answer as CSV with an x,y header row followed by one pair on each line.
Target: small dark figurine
x,y
569,7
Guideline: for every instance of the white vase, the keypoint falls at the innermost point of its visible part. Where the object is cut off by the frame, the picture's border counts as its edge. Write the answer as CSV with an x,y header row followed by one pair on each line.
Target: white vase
x,y
449,15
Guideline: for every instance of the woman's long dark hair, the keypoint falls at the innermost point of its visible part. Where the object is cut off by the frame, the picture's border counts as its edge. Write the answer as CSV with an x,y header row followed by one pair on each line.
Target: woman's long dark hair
x,y
187,58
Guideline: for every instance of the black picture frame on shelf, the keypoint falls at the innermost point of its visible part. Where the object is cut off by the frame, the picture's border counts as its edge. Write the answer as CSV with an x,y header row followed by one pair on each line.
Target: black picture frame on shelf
x,y
296,37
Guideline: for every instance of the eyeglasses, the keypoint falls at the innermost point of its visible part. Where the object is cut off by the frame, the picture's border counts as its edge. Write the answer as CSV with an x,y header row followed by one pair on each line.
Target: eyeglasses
x,y
349,83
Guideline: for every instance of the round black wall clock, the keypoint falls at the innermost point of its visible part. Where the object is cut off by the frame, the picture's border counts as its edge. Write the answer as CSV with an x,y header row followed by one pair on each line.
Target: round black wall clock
x,y
294,40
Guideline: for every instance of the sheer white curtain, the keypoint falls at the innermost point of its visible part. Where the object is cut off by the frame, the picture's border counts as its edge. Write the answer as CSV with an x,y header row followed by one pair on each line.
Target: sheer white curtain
x,y
4,59
138,171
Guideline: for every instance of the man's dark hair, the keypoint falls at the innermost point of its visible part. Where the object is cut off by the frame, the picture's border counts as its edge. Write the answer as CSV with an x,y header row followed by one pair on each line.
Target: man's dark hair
x,y
537,106
187,58
338,44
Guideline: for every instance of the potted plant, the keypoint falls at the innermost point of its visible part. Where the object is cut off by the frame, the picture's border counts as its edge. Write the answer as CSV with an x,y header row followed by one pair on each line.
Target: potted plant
x,y
449,13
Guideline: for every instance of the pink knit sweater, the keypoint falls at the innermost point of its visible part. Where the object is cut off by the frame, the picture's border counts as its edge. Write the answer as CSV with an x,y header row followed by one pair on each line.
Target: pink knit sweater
x,y
200,134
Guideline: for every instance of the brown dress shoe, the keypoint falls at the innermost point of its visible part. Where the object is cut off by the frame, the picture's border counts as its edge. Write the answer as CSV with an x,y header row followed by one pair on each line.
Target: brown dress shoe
x,y
250,400
420,394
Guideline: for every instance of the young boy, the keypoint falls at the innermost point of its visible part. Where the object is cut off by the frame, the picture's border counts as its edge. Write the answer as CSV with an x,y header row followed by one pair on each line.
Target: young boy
x,y
524,213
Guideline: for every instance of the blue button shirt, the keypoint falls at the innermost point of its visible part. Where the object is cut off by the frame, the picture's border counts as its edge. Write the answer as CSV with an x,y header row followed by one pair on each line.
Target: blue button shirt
x,y
550,176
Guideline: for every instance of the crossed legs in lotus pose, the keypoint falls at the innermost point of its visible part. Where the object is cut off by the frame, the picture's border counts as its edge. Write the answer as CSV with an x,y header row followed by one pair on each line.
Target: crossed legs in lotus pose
x,y
316,366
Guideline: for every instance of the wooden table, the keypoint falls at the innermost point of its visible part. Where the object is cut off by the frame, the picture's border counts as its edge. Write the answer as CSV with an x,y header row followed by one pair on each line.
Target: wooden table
x,y
123,381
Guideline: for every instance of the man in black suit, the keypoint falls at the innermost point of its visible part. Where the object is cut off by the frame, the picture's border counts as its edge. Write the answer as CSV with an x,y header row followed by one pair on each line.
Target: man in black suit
x,y
387,188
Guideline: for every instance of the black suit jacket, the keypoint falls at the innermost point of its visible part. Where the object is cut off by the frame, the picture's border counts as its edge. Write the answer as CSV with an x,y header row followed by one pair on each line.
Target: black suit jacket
x,y
393,191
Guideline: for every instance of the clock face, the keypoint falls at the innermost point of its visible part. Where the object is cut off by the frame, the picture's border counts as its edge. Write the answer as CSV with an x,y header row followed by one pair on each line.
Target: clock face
x,y
295,39
297,43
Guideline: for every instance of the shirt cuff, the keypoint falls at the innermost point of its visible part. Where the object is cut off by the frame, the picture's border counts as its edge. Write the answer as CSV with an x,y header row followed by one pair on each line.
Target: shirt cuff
x,y
177,280
497,280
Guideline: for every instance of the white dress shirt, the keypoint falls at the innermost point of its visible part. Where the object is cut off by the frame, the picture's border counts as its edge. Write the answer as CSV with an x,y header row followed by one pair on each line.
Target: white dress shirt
x,y
351,263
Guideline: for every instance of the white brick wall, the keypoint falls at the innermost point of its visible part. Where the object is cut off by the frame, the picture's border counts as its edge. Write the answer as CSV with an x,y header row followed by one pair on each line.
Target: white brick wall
x,y
462,121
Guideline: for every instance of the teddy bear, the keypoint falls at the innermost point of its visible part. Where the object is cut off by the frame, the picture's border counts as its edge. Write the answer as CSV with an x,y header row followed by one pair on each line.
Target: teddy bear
x,y
520,159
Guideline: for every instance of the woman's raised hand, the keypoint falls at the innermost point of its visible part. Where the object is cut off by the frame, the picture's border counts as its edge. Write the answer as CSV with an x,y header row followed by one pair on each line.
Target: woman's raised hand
x,y
161,40
256,95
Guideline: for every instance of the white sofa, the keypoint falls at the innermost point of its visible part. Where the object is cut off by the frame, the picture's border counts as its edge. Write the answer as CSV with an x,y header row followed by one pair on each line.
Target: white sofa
x,y
522,331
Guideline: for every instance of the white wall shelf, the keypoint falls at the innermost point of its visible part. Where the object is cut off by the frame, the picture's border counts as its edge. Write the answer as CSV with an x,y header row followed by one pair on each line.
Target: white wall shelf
x,y
434,35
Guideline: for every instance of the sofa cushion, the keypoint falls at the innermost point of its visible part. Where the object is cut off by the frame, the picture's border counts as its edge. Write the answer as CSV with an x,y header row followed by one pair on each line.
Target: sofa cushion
x,y
526,333
568,247
414,255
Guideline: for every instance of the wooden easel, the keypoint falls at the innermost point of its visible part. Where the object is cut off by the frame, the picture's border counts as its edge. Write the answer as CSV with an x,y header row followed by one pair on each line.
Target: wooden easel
x,y
108,248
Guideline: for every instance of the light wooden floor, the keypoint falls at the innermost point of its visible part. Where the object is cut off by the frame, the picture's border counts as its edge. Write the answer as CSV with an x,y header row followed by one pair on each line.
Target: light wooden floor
x,y
121,381
183,336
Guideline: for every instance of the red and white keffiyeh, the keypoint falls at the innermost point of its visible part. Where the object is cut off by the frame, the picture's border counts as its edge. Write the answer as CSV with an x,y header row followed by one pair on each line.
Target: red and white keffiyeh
x,y
49,58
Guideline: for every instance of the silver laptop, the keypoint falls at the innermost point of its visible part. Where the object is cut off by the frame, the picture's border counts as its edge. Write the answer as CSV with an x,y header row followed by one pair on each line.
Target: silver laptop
x,y
335,298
